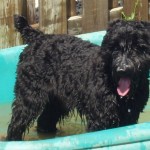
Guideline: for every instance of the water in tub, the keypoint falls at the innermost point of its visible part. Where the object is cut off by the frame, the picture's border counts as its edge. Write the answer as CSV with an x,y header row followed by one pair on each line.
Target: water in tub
x,y
70,126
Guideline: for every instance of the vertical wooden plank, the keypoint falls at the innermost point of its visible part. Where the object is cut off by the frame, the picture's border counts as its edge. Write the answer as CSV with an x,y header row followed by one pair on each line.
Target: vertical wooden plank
x,y
8,36
115,3
53,16
110,4
24,6
71,8
142,12
95,15
31,11
128,7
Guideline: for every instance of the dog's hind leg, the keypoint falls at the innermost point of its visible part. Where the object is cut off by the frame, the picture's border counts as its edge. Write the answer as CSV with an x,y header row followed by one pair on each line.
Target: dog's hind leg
x,y
26,108
53,112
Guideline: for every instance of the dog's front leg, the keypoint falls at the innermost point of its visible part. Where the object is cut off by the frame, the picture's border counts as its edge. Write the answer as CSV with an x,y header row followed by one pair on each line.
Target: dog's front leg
x,y
103,115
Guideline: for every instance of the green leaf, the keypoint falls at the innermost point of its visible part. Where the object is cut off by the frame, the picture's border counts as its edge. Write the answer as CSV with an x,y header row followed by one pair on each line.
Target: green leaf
x,y
133,13
132,16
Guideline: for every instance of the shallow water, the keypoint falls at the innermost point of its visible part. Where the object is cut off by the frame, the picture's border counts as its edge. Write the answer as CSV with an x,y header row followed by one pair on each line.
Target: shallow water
x,y
69,127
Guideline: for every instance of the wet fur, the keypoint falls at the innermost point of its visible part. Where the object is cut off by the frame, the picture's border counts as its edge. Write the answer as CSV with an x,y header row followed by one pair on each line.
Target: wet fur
x,y
58,73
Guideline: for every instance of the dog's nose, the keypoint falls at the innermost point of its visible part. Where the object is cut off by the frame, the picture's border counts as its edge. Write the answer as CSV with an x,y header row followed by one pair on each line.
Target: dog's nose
x,y
123,69
124,65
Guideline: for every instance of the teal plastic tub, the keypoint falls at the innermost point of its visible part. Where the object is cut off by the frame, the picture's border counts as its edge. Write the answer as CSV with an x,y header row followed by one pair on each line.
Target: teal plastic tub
x,y
135,137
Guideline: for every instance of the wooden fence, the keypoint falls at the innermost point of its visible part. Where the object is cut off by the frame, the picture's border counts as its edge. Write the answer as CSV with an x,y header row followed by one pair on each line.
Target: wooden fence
x,y
143,10
59,16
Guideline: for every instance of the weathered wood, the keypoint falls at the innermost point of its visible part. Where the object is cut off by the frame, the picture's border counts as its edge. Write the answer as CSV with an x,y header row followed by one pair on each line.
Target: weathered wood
x,y
95,15
142,12
115,3
116,13
31,11
71,8
53,16
8,36
112,4
35,26
24,8
75,25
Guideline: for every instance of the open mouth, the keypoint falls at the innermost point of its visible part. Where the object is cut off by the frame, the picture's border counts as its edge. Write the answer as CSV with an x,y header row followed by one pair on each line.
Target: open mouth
x,y
123,86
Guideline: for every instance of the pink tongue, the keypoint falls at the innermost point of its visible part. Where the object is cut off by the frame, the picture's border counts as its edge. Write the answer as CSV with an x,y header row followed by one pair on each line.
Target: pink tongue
x,y
123,86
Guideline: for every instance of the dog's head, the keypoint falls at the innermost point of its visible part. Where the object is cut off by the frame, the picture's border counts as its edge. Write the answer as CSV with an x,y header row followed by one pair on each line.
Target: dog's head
x,y
128,45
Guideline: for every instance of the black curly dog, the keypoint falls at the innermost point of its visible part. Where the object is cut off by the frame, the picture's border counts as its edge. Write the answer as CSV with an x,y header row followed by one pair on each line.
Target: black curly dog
x,y
58,73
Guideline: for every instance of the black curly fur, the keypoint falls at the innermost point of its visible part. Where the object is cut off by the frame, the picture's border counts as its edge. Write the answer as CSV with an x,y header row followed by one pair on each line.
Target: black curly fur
x,y
58,73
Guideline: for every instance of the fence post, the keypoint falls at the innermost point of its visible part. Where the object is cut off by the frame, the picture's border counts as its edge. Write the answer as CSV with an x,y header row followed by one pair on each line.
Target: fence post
x,y
142,11
9,37
112,4
53,16
31,11
71,8
95,15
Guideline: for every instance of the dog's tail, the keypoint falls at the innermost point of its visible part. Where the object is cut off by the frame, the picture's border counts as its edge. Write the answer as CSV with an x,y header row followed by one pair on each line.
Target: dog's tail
x,y
27,32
